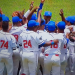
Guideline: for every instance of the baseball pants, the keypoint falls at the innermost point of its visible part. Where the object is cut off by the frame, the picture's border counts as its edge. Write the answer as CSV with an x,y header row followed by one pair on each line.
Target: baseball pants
x,y
63,61
16,60
52,63
8,63
71,61
30,63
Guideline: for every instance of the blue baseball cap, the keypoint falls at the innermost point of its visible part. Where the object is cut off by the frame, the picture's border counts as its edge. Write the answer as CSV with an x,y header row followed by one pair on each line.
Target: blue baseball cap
x,y
70,19
73,17
43,22
16,19
33,17
51,26
61,25
5,19
33,23
47,13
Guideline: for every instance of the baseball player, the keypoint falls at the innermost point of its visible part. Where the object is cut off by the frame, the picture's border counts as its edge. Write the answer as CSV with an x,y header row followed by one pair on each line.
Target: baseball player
x,y
41,32
16,30
30,40
63,57
52,53
7,45
47,16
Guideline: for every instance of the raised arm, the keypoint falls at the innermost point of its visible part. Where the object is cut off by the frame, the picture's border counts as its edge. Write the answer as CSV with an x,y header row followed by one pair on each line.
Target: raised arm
x,y
31,13
62,16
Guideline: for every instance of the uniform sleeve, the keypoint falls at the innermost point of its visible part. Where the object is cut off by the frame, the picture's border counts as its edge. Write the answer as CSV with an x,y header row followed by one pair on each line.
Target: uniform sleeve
x,y
13,43
27,13
66,31
39,40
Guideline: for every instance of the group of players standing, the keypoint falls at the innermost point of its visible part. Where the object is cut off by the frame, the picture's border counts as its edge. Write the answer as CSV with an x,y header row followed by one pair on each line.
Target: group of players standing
x,y
36,46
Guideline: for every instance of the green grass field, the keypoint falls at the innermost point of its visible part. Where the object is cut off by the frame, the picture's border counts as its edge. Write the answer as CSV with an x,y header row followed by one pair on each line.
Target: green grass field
x,y
8,6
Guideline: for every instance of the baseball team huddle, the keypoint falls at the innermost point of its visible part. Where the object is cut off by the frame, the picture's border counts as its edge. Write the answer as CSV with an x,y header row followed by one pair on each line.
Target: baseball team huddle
x,y
36,45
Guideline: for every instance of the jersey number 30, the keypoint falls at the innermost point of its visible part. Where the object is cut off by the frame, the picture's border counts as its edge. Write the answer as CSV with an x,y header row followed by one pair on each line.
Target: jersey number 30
x,y
4,44
27,43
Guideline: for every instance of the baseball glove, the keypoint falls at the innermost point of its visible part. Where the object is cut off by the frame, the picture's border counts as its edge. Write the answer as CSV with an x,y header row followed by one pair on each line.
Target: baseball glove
x,y
72,37
15,13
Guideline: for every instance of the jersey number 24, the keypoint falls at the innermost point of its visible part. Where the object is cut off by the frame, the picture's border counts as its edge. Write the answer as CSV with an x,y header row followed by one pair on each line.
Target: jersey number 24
x,y
27,44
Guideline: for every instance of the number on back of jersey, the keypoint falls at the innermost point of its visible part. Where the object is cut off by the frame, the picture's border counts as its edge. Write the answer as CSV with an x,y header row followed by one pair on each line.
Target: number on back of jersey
x,y
27,44
3,44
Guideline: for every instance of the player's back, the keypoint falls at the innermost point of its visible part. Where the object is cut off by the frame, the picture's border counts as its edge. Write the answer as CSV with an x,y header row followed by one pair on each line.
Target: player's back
x,y
21,28
62,38
56,47
16,31
30,40
7,43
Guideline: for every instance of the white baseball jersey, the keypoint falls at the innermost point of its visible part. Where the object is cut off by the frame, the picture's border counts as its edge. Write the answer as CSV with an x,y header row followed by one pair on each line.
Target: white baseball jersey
x,y
7,44
30,40
25,26
42,34
67,29
54,49
64,45
16,31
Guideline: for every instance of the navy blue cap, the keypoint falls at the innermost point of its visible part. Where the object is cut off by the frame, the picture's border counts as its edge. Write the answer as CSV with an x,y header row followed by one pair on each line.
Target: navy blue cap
x,y
43,22
51,26
16,19
33,23
5,19
33,17
61,25
47,13
70,19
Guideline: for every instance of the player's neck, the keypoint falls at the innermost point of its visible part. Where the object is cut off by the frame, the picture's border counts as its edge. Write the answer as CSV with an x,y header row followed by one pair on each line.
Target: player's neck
x,y
60,31
5,30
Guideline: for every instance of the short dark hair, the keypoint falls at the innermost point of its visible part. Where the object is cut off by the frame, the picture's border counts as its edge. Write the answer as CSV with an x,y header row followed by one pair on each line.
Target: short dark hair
x,y
5,25
0,19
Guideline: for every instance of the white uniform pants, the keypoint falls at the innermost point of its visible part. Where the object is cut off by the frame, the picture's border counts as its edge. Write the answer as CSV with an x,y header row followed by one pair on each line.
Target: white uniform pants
x,y
30,63
63,61
71,60
52,62
16,60
8,62
41,62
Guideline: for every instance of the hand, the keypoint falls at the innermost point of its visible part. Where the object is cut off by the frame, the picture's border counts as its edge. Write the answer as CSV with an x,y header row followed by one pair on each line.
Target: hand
x,y
31,5
1,11
42,1
71,29
35,9
40,11
15,13
23,12
61,12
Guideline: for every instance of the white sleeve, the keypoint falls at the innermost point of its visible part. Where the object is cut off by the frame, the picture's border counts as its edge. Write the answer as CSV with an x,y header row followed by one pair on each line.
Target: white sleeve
x,y
13,43
66,31
27,13
39,40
